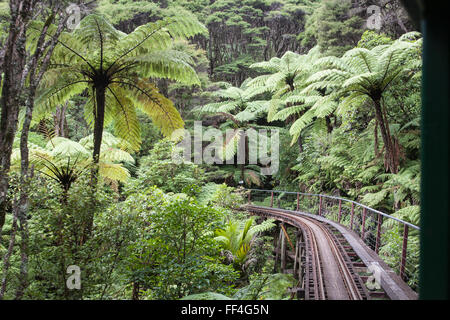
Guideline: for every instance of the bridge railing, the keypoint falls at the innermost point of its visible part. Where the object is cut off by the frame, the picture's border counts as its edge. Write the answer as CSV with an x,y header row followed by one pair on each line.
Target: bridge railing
x,y
394,240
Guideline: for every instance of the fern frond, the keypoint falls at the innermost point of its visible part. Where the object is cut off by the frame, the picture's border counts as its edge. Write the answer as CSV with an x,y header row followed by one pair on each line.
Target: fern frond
x,y
160,109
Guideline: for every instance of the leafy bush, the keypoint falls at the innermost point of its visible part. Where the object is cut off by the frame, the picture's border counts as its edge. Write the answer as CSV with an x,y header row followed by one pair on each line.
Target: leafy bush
x,y
159,170
177,256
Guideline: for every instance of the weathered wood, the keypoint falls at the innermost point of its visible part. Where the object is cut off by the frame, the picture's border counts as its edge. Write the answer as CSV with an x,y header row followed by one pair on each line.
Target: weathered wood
x,y
283,250
277,251
296,255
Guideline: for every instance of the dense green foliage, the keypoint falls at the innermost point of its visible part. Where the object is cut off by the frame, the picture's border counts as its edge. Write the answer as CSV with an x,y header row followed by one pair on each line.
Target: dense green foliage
x,y
345,99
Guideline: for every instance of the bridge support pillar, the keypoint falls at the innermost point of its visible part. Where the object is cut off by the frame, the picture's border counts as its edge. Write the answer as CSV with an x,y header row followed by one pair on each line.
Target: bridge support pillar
x,y
283,250
277,246
296,256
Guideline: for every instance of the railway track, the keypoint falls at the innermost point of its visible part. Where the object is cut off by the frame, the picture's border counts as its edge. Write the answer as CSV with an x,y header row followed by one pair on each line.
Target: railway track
x,y
329,274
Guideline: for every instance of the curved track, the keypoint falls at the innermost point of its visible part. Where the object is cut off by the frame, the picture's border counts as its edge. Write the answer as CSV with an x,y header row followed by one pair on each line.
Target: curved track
x,y
329,275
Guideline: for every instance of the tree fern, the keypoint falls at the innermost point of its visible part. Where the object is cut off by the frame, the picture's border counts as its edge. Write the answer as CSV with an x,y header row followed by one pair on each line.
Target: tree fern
x,y
65,160
110,66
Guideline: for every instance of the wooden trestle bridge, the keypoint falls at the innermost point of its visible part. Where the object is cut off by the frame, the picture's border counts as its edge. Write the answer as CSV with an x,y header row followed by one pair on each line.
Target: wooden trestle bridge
x,y
331,245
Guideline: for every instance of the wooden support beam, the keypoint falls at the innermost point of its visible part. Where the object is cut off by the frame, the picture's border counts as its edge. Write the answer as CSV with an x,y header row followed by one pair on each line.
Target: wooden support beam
x,y
283,249
287,237
277,251
296,252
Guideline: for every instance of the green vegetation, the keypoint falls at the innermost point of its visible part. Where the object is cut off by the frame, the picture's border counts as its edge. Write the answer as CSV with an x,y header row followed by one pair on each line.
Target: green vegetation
x,y
87,176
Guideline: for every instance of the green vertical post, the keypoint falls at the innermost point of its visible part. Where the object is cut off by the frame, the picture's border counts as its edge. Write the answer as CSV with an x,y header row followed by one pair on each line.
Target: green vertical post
x,y
433,281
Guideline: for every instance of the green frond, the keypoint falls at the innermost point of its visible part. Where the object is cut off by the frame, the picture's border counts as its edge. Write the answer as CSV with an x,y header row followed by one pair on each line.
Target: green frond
x,y
410,36
332,62
266,225
113,172
356,98
184,24
96,27
226,106
50,97
155,36
300,124
122,114
268,66
161,110
170,64
334,161
409,214
373,199
259,82
252,177
231,144
361,59
288,112
110,154
325,106
60,146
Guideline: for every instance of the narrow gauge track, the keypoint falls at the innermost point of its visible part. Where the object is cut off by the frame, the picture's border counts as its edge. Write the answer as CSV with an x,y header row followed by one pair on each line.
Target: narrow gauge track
x,y
328,273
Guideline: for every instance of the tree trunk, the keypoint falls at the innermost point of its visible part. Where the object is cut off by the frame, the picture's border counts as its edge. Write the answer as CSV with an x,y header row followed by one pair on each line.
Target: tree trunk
x,y
7,257
377,152
329,125
300,144
99,116
23,198
99,119
390,161
60,121
13,66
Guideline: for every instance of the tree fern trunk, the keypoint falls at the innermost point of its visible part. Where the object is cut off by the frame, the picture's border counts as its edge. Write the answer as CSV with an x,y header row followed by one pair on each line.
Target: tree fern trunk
x,y
300,144
390,164
99,116
99,119
377,152
329,125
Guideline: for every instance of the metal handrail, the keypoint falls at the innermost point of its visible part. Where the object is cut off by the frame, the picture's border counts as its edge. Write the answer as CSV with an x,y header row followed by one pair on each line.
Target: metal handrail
x,y
406,225
342,199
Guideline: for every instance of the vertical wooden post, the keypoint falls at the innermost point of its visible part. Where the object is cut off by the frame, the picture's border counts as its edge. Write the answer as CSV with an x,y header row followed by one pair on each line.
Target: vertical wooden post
x,y
404,248
377,244
277,252
296,257
363,231
283,251
351,216
320,206
249,196
340,212
271,199
298,201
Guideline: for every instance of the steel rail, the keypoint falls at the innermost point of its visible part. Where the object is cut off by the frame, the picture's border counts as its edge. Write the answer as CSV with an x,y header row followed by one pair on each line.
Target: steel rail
x,y
317,265
346,274
341,199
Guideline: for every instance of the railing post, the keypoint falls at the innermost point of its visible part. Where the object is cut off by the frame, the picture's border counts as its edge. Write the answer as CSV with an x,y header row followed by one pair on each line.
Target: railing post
x,y
363,223
340,206
404,248
320,206
351,217
249,196
298,201
377,244
271,199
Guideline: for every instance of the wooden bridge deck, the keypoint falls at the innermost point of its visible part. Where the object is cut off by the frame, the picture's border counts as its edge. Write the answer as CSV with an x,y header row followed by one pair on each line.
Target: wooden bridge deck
x,y
391,283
